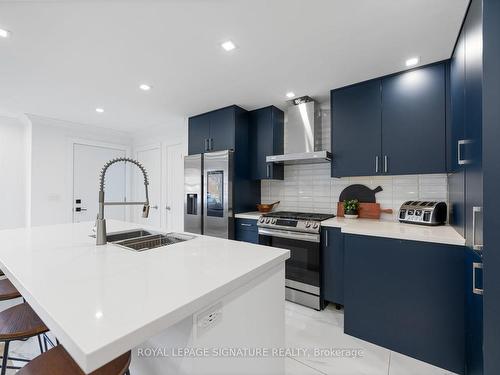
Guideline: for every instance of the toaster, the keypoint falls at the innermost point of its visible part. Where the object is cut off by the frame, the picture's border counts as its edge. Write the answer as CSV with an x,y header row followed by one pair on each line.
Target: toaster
x,y
423,212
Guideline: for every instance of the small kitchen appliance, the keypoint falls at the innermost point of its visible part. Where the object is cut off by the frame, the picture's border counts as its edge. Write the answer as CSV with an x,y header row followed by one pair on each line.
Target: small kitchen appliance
x,y
423,212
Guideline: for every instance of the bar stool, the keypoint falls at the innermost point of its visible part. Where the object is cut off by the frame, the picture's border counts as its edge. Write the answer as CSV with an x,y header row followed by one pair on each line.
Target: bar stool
x,y
57,361
18,323
7,290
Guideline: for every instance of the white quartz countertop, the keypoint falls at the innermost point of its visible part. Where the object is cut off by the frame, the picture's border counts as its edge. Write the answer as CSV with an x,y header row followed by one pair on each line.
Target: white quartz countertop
x,y
444,234
249,215
101,301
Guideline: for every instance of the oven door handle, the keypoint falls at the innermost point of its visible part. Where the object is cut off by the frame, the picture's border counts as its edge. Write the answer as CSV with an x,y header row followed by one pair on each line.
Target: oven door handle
x,y
309,237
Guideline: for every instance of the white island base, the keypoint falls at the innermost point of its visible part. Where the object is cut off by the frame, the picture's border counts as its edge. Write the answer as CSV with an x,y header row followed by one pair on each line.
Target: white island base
x,y
245,335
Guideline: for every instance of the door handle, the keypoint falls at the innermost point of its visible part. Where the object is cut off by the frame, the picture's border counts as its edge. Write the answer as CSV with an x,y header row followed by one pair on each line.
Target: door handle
x,y
386,160
475,211
376,164
462,142
475,290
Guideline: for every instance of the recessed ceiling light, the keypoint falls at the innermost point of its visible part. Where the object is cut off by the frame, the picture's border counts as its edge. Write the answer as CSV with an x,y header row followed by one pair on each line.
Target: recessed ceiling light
x,y
145,87
99,110
290,95
412,61
228,46
4,33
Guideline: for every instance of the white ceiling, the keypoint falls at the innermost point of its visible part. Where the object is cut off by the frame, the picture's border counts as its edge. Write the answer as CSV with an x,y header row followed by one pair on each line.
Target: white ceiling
x,y
65,58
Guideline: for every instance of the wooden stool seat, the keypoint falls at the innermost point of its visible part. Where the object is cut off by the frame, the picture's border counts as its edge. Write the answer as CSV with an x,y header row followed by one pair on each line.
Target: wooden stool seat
x,y
7,290
57,361
19,322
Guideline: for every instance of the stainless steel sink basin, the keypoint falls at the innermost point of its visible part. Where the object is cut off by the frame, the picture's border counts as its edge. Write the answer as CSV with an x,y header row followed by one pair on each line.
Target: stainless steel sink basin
x,y
114,237
141,240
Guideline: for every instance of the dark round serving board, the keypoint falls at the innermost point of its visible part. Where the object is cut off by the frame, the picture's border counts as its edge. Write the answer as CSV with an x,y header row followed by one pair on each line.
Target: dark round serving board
x,y
360,192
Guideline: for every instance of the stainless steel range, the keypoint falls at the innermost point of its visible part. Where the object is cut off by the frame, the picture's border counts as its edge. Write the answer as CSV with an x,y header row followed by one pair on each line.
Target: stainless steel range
x,y
298,232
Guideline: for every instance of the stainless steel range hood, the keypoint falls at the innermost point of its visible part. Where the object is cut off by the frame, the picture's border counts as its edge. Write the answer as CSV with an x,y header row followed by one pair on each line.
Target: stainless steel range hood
x,y
302,135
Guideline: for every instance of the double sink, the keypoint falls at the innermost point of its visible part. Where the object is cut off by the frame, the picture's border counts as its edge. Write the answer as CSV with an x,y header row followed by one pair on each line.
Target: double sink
x,y
142,240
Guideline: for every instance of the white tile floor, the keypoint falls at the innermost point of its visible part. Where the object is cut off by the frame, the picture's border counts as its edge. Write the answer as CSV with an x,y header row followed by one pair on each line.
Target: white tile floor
x,y
310,329
307,328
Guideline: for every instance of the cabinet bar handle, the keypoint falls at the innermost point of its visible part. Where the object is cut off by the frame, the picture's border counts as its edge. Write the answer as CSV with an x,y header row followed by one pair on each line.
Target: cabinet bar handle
x,y
462,142
268,170
326,238
475,211
210,144
475,266
376,164
245,225
206,144
385,163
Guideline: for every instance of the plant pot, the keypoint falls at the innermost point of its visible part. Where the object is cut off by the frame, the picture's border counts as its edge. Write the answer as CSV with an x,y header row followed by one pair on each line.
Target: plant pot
x,y
351,216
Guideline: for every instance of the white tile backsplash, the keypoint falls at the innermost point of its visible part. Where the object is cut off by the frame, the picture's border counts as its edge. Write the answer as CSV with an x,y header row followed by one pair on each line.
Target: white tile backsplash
x,y
309,187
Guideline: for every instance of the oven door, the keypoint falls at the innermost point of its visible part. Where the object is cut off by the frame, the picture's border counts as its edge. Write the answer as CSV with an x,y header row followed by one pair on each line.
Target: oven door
x,y
303,277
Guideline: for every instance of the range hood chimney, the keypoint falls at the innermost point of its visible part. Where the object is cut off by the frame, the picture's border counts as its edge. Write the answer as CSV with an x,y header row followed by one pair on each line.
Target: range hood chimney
x,y
302,135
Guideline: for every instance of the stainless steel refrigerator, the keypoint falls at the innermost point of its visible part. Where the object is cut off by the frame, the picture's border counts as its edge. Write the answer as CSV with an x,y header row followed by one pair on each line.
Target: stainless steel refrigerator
x,y
208,198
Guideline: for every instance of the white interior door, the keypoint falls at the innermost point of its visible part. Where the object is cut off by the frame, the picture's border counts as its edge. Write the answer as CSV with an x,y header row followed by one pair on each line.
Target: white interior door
x,y
150,158
175,188
88,161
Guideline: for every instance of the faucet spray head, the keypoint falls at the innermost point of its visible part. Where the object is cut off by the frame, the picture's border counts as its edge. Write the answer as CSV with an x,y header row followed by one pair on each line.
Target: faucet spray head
x,y
145,211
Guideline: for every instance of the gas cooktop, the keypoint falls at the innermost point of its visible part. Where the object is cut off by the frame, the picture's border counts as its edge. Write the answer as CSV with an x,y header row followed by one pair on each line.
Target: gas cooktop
x,y
299,215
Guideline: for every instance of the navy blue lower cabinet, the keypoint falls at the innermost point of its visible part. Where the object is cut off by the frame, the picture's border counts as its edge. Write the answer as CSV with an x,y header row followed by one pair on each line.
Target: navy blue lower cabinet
x,y
246,230
332,246
473,313
406,296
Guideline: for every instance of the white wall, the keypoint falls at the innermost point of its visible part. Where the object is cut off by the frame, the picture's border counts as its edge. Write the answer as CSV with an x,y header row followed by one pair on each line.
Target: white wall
x,y
51,165
14,134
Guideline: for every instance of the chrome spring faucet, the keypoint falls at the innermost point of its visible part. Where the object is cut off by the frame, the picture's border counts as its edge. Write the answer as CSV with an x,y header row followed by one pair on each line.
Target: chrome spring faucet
x,y
101,236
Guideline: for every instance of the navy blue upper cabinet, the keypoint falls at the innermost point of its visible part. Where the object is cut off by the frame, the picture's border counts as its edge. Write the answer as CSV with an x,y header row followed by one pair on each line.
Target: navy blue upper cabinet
x,y
356,130
456,135
457,94
214,131
332,247
406,296
393,125
266,138
414,121
222,129
472,149
199,133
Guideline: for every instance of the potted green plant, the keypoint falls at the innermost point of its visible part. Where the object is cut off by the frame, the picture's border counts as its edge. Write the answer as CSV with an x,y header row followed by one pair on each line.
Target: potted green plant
x,y
351,209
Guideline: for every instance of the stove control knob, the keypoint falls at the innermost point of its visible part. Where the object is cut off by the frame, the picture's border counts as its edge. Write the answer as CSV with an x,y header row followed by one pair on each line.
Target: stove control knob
x,y
273,221
267,221
261,220
308,224
315,226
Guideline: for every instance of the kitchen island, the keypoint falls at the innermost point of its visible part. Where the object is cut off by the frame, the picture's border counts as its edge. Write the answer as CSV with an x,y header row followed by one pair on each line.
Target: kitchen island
x,y
101,301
